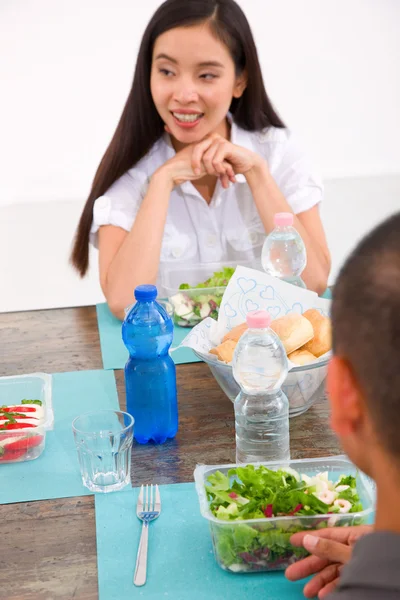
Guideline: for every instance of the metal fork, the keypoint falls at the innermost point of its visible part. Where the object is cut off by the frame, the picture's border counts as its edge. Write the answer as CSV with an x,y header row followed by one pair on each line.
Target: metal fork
x,y
148,508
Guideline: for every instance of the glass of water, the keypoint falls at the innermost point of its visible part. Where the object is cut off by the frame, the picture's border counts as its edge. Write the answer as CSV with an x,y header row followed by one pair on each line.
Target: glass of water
x,y
103,440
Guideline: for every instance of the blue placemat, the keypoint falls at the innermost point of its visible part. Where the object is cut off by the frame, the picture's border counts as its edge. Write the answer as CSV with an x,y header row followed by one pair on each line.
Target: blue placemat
x,y
55,474
113,350
181,562
327,294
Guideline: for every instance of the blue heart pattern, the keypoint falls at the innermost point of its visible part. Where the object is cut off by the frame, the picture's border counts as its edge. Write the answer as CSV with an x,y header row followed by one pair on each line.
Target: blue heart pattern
x,y
268,293
250,305
274,311
229,311
246,285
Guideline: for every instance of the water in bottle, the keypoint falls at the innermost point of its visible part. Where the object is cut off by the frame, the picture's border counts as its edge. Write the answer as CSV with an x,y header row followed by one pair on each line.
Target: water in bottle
x,y
261,408
150,376
284,253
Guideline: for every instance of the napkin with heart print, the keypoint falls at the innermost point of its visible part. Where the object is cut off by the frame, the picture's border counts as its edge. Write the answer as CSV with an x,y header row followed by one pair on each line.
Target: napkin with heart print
x,y
250,290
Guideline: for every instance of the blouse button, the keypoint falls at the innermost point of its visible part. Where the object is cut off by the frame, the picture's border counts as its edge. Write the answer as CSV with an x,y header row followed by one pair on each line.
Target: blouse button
x,y
211,241
253,237
177,252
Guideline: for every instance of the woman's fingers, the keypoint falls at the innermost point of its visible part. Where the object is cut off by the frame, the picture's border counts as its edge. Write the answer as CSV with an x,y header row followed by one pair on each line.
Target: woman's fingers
x,y
215,164
210,165
225,181
220,157
198,153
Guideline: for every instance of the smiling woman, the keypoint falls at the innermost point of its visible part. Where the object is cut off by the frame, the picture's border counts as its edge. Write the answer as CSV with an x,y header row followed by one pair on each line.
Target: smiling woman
x,y
200,161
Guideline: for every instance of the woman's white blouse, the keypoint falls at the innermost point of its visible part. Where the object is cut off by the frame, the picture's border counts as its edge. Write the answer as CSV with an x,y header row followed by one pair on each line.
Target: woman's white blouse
x,y
229,229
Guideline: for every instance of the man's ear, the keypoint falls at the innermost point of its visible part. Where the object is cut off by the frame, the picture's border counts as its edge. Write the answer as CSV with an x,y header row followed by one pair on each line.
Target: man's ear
x,y
347,406
240,84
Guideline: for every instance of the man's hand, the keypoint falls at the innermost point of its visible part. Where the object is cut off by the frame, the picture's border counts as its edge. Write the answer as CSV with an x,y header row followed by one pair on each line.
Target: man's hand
x,y
330,549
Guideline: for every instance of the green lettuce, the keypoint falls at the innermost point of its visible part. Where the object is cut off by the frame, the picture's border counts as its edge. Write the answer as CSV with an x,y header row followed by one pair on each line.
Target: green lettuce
x,y
249,492
218,279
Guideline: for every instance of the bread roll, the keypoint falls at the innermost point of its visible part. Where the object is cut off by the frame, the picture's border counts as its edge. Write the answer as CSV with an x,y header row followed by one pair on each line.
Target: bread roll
x,y
293,330
301,357
225,350
235,333
322,340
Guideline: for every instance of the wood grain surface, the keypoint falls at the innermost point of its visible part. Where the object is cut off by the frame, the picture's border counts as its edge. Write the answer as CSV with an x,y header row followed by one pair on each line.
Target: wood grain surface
x,y
48,548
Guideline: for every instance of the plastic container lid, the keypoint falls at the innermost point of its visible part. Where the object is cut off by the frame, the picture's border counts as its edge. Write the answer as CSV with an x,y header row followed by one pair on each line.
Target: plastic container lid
x,y
283,219
258,319
146,292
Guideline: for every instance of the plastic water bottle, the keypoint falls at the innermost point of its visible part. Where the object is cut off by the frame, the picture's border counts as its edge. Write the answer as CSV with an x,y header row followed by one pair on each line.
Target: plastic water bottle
x,y
261,408
150,376
284,253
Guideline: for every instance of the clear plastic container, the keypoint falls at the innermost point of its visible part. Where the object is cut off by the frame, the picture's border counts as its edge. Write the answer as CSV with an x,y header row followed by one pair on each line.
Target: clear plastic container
x,y
26,444
195,304
201,302
230,538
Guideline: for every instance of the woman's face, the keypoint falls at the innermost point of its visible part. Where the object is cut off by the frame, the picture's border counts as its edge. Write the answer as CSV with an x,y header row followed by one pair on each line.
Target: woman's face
x,y
192,82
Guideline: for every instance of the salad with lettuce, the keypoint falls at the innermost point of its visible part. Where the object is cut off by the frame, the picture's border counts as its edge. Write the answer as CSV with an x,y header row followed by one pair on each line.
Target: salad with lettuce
x,y
192,305
251,492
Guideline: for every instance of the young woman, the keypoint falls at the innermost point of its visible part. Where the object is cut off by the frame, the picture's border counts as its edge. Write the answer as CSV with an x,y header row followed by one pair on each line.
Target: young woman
x,y
200,161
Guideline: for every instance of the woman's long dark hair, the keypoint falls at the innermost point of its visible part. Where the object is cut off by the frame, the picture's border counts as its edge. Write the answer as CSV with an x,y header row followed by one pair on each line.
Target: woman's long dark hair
x,y
140,125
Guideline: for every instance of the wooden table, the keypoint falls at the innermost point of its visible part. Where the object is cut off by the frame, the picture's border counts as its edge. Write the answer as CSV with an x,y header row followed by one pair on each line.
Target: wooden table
x,y
48,548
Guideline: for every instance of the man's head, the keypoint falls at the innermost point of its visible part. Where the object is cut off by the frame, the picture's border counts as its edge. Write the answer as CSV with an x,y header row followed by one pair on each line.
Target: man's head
x,y
364,374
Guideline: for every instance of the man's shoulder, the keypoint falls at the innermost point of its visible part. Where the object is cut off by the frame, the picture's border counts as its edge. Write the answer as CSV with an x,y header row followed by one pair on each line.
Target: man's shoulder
x,y
373,572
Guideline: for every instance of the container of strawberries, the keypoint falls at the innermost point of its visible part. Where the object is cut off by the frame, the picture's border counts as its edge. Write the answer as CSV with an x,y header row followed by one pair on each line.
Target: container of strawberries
x,y
26,413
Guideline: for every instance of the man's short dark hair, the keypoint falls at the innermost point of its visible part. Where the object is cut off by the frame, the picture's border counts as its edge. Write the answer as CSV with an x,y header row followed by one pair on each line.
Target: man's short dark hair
x,y
366,325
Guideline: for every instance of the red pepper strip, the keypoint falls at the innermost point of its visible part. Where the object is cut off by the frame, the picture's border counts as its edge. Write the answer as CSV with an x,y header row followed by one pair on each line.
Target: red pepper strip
x,y
268,511
296,509
7,426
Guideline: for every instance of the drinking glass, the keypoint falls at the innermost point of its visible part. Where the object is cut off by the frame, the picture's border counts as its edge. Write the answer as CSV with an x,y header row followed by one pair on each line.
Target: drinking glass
x,y
103,441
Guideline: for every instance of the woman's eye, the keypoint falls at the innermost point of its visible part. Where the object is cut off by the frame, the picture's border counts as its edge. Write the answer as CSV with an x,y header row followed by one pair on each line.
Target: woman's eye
x,y
208,76
166,72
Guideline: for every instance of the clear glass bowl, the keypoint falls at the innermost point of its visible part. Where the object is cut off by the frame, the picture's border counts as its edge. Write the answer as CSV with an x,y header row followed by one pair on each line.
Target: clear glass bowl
x,y
255,545
304,385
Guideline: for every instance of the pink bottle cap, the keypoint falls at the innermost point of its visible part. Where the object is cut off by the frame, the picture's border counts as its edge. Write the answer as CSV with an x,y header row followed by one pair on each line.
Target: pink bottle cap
x,y
258,319
283,219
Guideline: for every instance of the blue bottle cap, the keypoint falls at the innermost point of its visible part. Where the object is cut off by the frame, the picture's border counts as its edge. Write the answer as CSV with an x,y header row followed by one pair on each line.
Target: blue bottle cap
x,y
146,292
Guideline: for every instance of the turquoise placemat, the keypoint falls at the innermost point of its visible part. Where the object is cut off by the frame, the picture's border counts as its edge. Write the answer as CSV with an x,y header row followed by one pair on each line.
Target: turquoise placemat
x,y
113,350
55,474
327,294
181,562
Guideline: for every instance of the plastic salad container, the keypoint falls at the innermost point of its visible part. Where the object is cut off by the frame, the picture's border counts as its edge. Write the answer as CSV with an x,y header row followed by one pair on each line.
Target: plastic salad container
x,y
26,414
191,301
263,543
304,385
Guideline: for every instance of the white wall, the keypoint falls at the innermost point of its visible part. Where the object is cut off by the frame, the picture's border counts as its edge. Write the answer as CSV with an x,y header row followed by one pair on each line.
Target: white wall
x,y
66,67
